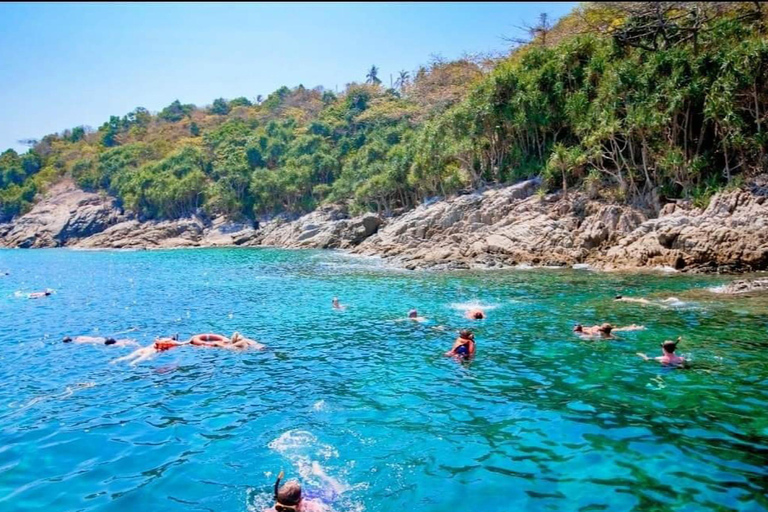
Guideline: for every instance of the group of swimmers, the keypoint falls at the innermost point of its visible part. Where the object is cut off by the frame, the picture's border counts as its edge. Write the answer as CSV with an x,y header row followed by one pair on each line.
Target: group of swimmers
x,y
235,342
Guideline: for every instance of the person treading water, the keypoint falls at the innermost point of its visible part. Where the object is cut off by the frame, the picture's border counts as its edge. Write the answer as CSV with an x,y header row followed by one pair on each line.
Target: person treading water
x,y
668,356
464,346
336,305
414,315
101,340
288,498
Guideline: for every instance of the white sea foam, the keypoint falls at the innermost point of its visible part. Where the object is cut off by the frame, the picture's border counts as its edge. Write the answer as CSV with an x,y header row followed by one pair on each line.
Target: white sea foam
x,y
582,266
475,304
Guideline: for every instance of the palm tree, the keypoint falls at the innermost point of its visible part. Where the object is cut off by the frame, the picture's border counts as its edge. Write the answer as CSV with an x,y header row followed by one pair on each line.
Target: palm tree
x,y
402,80
373,76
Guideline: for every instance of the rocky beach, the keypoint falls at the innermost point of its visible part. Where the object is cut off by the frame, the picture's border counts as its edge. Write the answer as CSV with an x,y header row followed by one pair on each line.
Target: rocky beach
x,y
492,228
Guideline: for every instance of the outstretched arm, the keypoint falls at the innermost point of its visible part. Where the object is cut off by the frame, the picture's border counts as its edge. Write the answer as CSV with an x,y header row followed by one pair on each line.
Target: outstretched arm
x,y
645,357
632,327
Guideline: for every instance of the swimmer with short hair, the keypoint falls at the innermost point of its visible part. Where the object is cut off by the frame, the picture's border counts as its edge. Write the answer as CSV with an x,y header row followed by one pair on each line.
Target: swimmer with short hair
x,y
288,498
39,295
464,346
668,356
414,315
475,314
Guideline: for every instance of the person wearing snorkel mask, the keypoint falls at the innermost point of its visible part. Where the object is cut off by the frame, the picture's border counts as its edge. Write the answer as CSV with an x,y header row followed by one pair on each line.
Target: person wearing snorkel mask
x,y
288,498
668,356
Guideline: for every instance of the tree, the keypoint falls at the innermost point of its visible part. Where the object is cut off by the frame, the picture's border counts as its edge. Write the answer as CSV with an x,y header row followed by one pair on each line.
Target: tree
x,y
175,112
373,76
220,107
536,33
402,80
194,130
242,101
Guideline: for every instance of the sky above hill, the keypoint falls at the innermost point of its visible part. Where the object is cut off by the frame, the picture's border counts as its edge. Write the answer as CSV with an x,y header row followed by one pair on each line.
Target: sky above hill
x,y
64,65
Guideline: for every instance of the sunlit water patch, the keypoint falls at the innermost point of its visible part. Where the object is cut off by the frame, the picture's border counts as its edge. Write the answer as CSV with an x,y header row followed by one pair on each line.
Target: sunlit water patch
x,y
360,404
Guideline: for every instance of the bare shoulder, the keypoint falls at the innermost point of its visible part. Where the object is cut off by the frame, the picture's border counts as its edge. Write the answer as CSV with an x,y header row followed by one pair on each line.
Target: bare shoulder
x,y
313,506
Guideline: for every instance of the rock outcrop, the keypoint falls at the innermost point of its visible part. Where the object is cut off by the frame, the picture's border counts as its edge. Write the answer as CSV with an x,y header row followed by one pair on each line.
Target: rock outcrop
x,y
744,286
731,234
66,215
326,228
503,227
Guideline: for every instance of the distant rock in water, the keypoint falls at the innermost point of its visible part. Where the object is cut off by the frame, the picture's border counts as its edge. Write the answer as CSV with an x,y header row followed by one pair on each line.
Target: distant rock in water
x,y
743,286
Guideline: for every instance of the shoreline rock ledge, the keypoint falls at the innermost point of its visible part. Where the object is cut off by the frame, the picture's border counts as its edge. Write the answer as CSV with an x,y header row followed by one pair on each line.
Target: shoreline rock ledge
x,y
496,227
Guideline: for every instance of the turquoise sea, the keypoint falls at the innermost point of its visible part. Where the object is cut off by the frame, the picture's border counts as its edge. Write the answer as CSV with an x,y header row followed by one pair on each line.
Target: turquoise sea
x,y
360,404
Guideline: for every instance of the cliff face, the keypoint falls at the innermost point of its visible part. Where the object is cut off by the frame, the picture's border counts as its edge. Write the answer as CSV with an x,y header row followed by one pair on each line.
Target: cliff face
x,y
494,228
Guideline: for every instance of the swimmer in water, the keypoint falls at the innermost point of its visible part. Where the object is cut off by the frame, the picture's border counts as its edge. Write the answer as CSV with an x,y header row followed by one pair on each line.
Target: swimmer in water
x,y
619,298
144,353
240,342
464,346
603,331
668,356
288,498
475,314
100,340
414,315
336,304
39,295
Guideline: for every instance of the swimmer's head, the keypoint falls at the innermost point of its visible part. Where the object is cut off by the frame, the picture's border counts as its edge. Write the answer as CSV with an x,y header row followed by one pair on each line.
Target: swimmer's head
x,y
669,346
618,297
478,315
110,341
606,328
578,328
466,334
47,293
288,496
67,339
413,314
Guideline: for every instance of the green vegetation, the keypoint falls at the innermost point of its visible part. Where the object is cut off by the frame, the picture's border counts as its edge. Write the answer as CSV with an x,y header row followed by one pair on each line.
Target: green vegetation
x,y
650,100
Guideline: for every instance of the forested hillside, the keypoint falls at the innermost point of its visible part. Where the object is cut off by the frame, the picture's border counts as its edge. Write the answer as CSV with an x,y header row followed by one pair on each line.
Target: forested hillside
x,y
637,102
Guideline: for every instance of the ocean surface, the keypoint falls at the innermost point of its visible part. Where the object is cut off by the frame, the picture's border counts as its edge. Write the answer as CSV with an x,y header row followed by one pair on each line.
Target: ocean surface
x,y
360,404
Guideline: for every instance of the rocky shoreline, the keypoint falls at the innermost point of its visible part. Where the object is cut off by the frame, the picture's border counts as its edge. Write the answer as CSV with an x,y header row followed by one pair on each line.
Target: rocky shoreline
x,y
494,228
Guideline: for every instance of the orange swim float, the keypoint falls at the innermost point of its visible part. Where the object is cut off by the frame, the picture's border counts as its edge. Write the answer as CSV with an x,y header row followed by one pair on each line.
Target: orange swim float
x,y
205,339
165,345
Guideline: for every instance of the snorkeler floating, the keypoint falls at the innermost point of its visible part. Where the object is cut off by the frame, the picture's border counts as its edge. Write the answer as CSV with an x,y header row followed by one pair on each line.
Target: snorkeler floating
x,y
288,498
236,342
668,356
464,346
605,330
39,295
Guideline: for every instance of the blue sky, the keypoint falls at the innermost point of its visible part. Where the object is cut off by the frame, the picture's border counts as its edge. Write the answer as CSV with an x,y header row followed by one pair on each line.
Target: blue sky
x,y
63,65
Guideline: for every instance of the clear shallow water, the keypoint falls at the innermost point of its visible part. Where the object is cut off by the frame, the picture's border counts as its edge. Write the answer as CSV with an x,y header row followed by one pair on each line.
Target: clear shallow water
x,y
363,407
